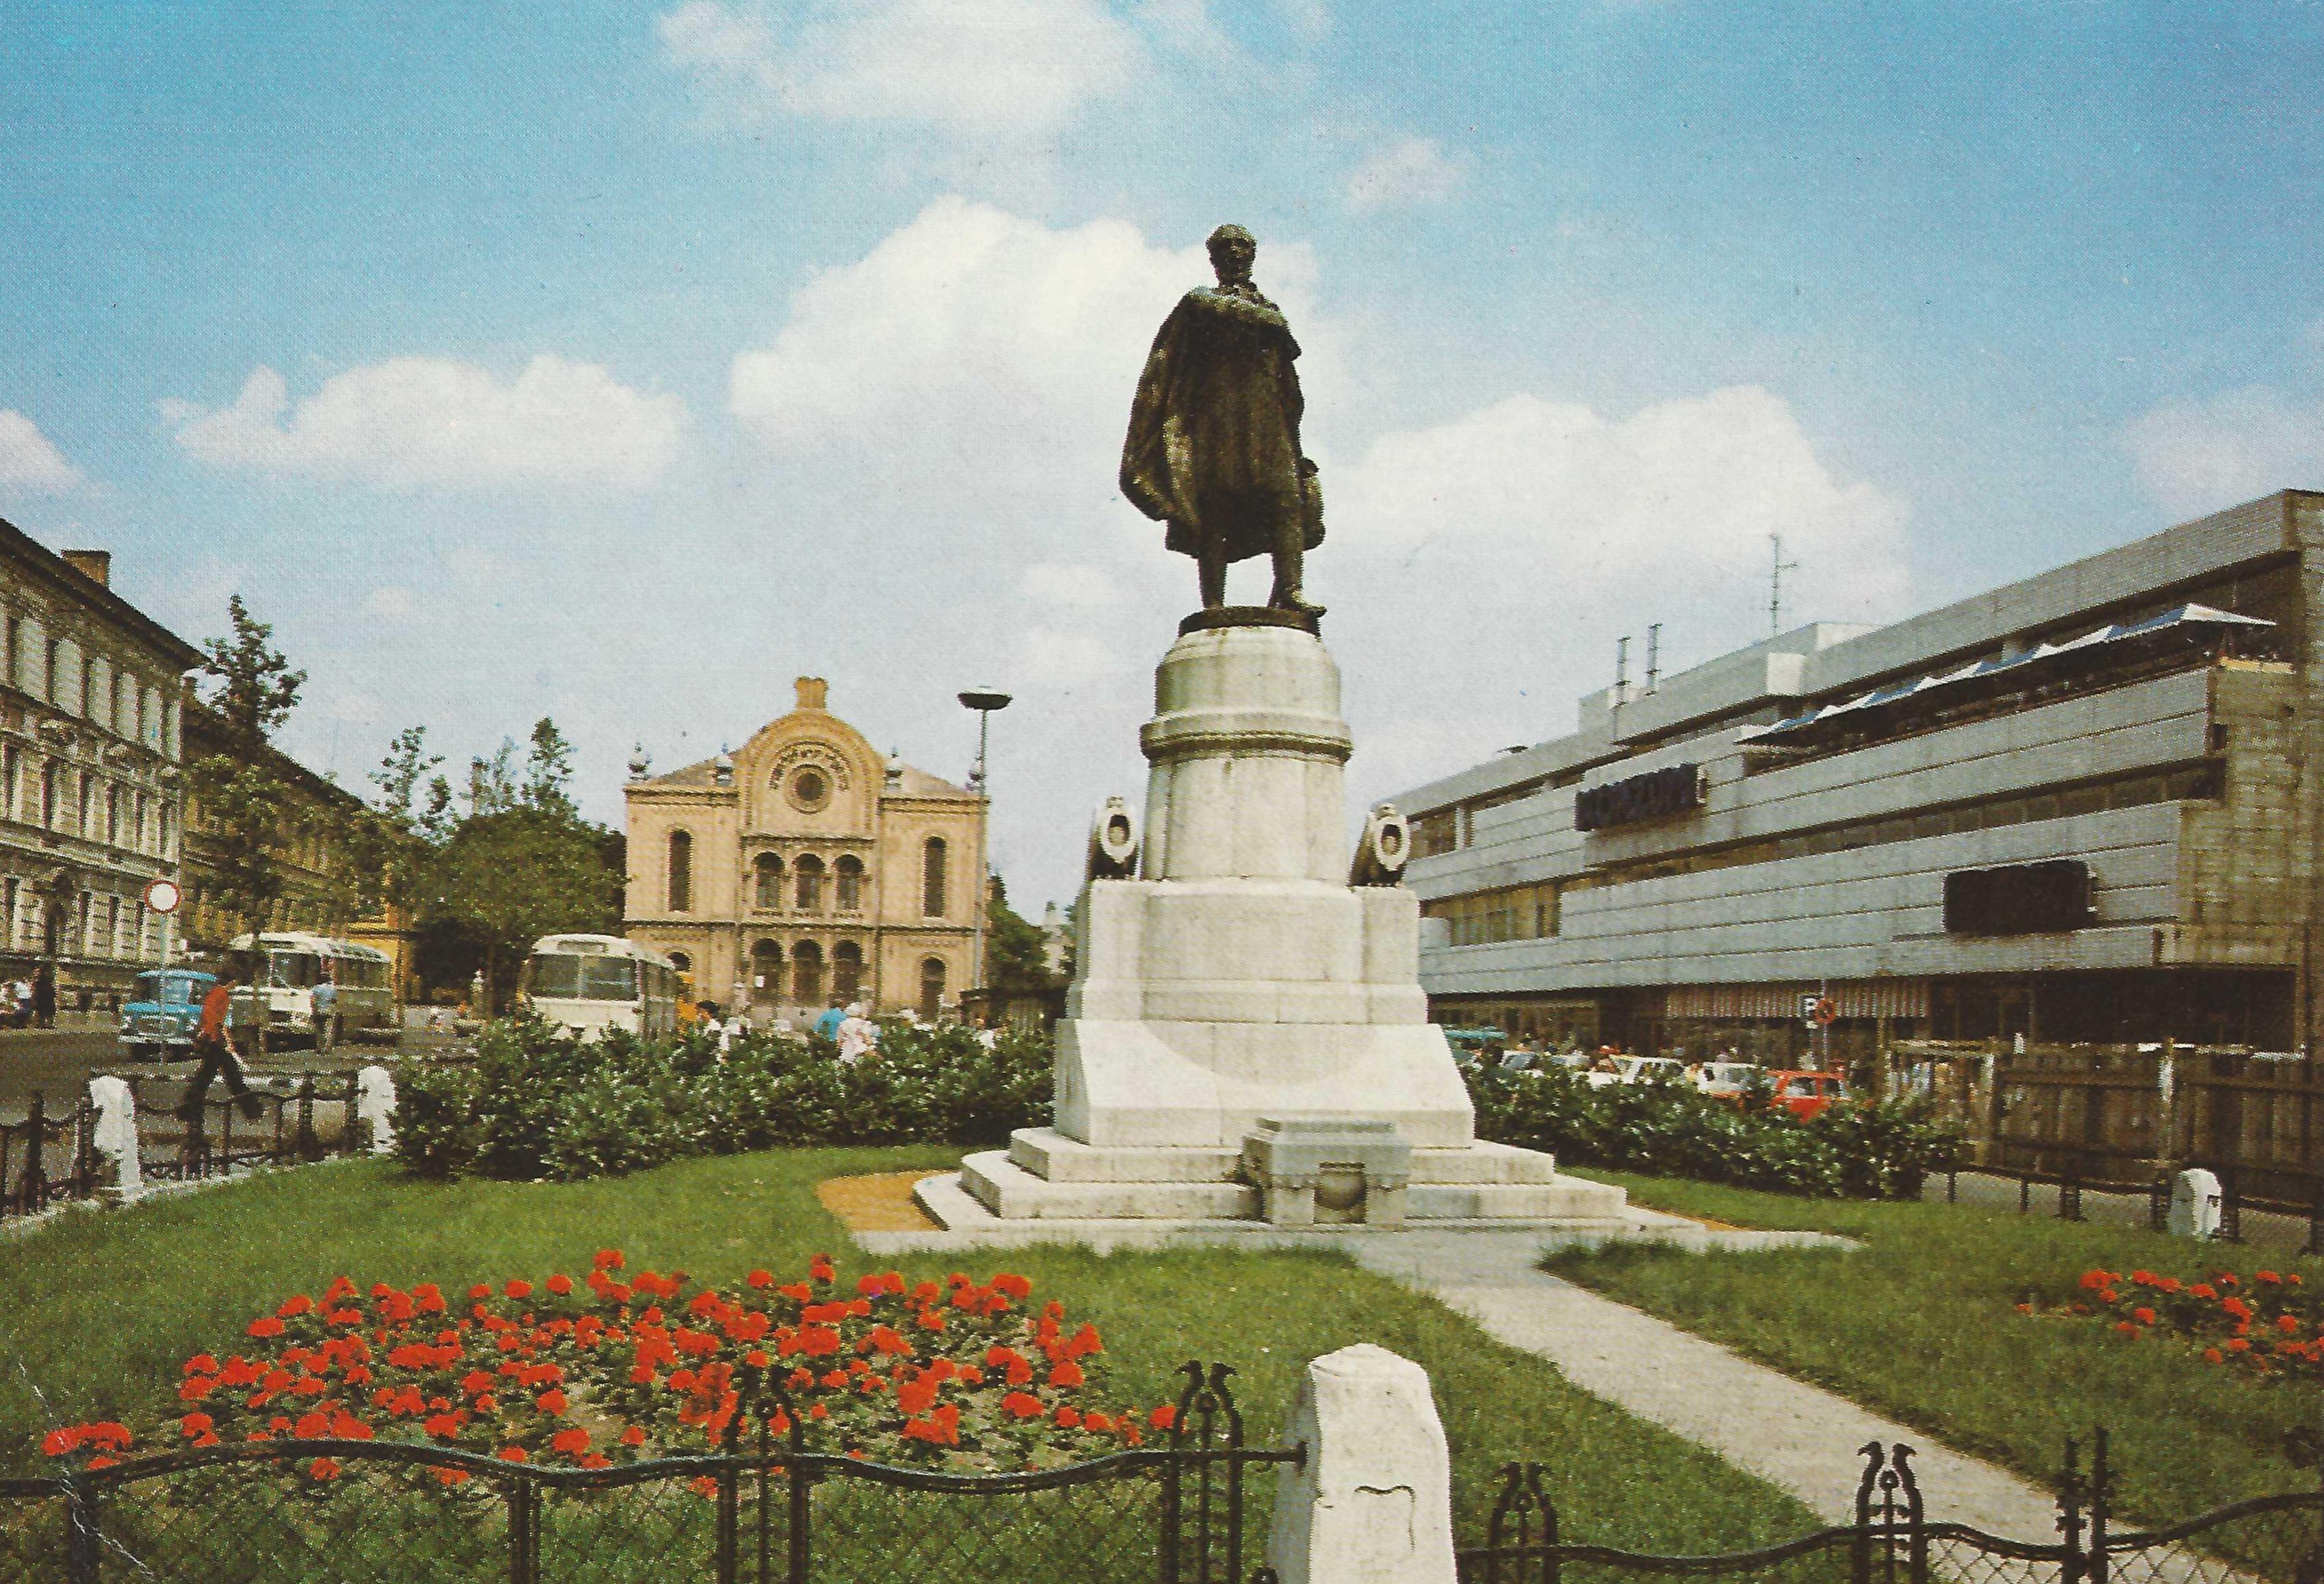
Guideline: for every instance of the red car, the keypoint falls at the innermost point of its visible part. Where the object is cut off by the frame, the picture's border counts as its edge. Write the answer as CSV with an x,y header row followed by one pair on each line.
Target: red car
x,y
1808,1094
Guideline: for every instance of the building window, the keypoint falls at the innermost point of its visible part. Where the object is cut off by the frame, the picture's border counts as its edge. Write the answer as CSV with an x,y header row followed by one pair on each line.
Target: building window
x,y
932,988
113,816
12,784
769,873
846,970
1436,832
767,971
809,870
681,961
681,872
48,795
113,926
807,974
50,675
87,795
847,876
932,878
810,790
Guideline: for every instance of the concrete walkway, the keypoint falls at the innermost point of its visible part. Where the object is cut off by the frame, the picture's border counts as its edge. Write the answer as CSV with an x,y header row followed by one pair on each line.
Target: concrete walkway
x,y
1794,1436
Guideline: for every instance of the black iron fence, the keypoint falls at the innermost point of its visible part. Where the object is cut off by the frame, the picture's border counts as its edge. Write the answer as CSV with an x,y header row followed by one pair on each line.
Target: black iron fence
x,y
51,1155
356,1512
2278,1538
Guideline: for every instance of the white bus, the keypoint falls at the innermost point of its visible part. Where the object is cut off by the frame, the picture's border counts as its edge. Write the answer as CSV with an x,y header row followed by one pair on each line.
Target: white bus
x,y
594,982
288,967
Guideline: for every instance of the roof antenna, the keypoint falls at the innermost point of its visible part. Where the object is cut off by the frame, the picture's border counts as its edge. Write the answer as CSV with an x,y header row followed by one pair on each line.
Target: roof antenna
x,y
1653,654
1621,671
1775,585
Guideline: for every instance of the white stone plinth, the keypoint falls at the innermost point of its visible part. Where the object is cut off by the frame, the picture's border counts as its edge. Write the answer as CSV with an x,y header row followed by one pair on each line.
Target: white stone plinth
x,y
1372,1503
1240,979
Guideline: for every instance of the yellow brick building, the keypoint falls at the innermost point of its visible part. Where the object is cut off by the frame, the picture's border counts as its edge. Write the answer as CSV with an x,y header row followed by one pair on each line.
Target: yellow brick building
x,y
806,870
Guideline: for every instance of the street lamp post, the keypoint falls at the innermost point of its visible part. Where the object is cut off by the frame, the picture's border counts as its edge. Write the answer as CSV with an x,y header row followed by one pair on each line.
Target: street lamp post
x,y
984,702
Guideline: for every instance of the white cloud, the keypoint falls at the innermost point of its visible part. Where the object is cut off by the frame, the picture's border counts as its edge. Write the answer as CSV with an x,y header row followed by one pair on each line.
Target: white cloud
x,y
412,422
2201,456
1063,658
984,355
389,600
29,462
1410,170
981,70
1666,511
1074,587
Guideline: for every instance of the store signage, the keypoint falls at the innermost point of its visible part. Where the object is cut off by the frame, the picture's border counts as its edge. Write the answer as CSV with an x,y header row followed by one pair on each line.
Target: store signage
x,y
1678,790
2019,899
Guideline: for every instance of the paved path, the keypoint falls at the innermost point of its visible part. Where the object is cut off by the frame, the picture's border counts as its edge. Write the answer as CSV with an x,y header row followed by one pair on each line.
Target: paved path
x,y
1797,1436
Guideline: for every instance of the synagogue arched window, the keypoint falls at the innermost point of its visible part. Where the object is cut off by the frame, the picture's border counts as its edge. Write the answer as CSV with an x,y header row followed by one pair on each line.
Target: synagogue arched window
x,y
932,877
847,880
767,874
807,974
681,872
809,870
932,988
846,970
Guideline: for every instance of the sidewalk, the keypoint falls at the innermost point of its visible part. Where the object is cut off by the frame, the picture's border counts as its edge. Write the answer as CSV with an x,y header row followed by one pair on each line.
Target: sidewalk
x,y
1797,1436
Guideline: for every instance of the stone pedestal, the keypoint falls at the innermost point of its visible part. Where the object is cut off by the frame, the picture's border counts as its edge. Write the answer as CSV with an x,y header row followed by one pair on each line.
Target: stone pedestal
x,y
1240,987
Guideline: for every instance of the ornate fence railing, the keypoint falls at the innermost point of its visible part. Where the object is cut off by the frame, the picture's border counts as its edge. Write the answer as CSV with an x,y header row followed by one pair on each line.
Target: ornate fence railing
x,y
353,1512
2277,1537
51,1155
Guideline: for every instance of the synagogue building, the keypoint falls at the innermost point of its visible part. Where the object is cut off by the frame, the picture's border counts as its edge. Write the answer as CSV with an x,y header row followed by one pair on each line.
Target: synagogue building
x,y
806,870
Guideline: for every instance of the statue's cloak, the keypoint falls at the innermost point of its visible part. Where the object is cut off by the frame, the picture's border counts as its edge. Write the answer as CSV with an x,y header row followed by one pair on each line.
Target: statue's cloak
x,y
1214,443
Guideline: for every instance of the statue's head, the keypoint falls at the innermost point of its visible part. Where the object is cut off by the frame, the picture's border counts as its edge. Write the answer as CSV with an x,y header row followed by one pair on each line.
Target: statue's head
x,y
1233,251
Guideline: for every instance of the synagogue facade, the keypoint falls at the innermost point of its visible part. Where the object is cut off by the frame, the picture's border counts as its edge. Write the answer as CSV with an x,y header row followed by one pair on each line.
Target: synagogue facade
x,y
807,869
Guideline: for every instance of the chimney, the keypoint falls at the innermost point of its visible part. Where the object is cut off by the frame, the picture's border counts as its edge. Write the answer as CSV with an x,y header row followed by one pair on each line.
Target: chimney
x,y
811,691
96,565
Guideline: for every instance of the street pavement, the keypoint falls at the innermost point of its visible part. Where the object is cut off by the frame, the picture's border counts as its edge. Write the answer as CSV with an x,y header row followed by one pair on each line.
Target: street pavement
x,y
58,1062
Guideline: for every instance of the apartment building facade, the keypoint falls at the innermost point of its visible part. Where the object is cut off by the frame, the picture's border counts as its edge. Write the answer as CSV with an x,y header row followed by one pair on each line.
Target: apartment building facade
x,y
90,769
2073,808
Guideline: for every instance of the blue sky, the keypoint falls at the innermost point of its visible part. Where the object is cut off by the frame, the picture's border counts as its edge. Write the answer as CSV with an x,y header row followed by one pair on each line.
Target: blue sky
x,y
621,362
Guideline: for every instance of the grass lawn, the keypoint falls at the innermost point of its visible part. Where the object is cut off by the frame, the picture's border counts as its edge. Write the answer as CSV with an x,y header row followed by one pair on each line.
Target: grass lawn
x,y
100,1310
1922,1325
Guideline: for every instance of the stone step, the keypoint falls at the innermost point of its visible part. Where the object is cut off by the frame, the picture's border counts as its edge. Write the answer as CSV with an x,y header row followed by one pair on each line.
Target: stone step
x,y
1569,1200
1012,1193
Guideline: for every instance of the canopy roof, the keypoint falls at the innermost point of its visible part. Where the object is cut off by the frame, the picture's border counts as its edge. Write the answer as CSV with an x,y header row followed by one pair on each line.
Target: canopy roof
x,y
2123,640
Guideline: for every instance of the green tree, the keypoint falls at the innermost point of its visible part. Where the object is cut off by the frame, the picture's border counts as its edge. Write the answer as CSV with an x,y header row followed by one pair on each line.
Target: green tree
x,y
389,841
243,793
1015,959
522,864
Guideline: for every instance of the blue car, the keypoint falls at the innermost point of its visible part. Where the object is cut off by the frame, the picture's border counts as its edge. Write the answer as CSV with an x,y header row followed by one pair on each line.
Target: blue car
x,y
162,1020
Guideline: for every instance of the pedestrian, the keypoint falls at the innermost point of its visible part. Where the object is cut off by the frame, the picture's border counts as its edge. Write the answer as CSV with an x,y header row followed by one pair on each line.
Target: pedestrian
x,y
858,1035
213,1048
20,995
323,1001
44,995
827,1025
986,1034
736,1027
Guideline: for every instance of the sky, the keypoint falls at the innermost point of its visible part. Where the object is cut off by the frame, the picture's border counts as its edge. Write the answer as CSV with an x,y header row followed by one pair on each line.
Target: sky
x,y
620,362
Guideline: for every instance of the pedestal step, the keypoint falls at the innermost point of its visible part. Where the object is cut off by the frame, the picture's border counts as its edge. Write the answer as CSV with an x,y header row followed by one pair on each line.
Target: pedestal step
x,y
1049,1154
1483,1183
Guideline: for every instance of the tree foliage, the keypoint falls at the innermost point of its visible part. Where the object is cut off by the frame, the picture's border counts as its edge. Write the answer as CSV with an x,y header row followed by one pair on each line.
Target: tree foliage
x,y
519,865
246,799
1016,956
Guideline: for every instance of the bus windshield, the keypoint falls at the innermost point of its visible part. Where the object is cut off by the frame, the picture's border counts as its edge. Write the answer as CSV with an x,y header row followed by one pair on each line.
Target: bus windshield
x,y
292,970
557,976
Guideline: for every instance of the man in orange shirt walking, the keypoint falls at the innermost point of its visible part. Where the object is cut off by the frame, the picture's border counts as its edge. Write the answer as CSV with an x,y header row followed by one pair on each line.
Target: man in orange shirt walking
x,y
214,1045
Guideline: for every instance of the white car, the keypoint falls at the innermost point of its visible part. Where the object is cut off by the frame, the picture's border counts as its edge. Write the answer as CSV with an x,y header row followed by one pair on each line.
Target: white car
x,y
1725,1078
1638,1069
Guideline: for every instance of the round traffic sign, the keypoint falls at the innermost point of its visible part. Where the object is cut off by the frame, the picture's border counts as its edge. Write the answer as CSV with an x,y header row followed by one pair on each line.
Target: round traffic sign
x,y
162,896
1827,1011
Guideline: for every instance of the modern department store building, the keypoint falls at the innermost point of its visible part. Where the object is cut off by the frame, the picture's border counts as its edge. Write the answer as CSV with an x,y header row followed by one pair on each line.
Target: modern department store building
x,y
2073,808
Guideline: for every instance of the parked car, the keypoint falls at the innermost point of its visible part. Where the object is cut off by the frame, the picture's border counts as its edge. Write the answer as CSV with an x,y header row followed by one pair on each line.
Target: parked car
x,y
1639,1070
1808,1094
1725,1080
159,1021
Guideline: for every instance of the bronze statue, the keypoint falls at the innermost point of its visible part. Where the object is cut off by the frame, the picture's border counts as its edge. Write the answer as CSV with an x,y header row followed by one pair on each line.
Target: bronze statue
x,y
1214,445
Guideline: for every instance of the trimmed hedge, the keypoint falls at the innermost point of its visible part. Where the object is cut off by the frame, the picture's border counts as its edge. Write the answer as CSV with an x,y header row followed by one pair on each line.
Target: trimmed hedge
x,y
1669,1129
537,1102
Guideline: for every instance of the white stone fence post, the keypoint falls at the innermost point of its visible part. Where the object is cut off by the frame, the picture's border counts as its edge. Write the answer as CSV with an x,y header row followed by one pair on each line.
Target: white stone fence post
x,y
1372,1503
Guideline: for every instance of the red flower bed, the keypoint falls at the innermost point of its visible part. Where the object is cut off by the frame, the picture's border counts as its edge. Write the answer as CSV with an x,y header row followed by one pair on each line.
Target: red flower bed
x,y
2267,1326
613,1368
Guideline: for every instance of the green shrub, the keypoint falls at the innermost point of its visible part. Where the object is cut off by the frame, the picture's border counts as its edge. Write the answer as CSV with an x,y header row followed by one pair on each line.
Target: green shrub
x,y
1669,1130
539,1102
